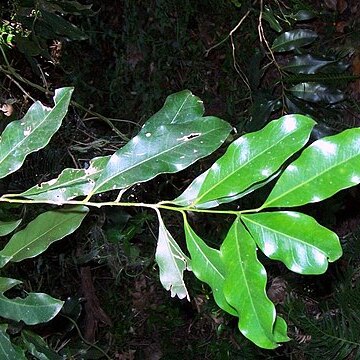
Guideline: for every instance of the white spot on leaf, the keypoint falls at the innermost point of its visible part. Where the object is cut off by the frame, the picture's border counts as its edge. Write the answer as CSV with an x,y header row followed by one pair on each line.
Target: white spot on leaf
x,y
355,179
269,248
148,134
289,123
326,147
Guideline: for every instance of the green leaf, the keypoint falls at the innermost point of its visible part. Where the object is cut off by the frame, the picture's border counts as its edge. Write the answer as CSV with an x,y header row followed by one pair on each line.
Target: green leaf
x,y
179,108
38,347
7,283
248,161
165,149
327,166
69,184
8,350
207,266
303,15
268,15
317,93
306,64
295,239
172,263
245,287
293,39
280,330
32,132
6,227
34,309
40,233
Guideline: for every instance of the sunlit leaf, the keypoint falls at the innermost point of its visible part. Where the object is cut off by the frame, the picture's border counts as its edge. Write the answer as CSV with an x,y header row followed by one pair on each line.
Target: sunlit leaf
x,y
172,263
327,166
296,239
6,227
40,233
293,39
32,132
8,350
245,287
280,330
316,93
248,161
207,266
306,64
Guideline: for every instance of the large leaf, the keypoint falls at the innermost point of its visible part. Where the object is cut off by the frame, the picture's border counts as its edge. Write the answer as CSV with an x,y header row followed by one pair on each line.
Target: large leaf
x,y
32,132
179,108
172,263
306,64
293,39
69,184
248,161
316,93
296,239
327,166
165,149
40,233
6,227
33,309
8,350
245,287
207,266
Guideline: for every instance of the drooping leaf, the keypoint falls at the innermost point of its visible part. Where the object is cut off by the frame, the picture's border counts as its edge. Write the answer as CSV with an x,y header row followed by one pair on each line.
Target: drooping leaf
x,y
8,350
293,39
6,227
172,263
269,16
245,287
207,266
40,233
178,108
327,166
248,161
32,132
164,149
296,239
7,283
306,64
69,184
316,93
34,309
38,347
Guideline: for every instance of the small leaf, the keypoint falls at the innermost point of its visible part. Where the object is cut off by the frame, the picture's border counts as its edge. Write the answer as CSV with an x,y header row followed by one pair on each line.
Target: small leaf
x,y
296,239
248,161
69,184
245,287
207,266
165,149
268,15
306,64
293,39
280,330
317,93
6,227
7,283
172,263
327,166
40,233
34,309
303,15
8,350
32,132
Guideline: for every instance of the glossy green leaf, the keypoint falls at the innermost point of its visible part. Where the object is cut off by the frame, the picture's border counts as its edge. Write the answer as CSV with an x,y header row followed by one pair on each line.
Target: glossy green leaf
x,y
34,309
269,16
293,39
248,161
165,149
69,184
327,166
179,108
245,287
172,263
8,351
40,233
295,239
7,283
303,15
38,347
316,93
280,330
207,265
32,132
6,227
306,64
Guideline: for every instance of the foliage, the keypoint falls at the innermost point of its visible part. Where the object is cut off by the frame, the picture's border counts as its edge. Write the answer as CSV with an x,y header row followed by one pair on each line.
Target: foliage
x,y
171,140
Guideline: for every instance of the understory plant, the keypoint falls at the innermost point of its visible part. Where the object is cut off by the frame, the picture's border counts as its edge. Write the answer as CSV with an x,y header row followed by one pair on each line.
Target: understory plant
x,y
171,140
